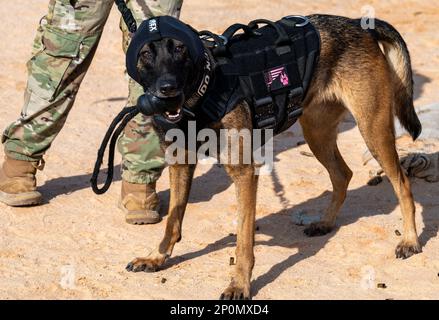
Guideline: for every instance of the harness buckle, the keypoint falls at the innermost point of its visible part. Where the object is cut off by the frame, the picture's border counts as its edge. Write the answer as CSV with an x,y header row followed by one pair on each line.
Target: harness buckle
x,y
225,40
302,24
214,38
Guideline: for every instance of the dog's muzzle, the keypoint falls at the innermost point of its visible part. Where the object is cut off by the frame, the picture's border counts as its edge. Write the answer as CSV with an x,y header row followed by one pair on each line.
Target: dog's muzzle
x,y
170,108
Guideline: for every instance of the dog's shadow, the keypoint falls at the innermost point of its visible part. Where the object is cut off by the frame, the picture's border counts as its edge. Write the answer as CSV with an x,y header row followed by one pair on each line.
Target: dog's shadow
x,y
283,232
420,82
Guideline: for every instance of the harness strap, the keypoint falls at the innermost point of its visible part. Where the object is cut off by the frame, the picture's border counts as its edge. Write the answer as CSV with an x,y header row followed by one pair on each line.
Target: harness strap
x,y
230,31
202,83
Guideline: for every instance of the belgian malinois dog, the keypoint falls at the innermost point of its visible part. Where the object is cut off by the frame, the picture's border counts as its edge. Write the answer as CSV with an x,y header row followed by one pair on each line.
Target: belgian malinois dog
x,y
365,72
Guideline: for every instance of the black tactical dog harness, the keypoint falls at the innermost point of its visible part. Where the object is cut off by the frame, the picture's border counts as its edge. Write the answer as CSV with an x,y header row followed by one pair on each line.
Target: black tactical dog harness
x,y
270,67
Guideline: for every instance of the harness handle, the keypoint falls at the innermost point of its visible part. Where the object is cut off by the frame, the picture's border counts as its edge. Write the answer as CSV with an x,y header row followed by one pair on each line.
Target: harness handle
x,y
283,37
219,41
230,31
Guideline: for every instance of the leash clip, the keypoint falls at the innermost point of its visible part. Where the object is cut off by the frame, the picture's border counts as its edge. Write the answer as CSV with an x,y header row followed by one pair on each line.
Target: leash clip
x,y
225,40
210,36
302,24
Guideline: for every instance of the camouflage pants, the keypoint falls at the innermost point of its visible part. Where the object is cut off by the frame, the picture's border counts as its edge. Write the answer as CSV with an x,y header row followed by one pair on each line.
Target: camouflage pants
x,y
63,49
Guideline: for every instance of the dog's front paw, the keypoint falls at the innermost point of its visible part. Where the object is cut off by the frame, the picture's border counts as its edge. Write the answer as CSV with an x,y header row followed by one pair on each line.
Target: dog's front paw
x,y
145,264
234,292
317,229
406,249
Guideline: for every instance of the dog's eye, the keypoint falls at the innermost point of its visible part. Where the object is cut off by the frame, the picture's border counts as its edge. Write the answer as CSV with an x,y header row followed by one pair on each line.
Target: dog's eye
x,y
179,49
147,54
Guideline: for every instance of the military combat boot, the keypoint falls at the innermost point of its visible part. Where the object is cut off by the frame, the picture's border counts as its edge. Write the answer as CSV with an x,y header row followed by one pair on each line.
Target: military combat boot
x,y
18,183
140,203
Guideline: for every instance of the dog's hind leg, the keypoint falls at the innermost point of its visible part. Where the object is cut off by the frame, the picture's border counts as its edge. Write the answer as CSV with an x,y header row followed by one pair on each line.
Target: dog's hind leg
x,y
180,179
379,136
245,181
320,132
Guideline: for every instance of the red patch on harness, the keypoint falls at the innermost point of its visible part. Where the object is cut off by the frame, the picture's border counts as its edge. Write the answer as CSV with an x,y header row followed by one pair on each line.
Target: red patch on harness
x,y
276,78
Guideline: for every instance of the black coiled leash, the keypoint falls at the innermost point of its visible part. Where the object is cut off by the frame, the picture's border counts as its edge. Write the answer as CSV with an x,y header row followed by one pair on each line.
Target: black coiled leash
x,y
127,15
120,121
148,105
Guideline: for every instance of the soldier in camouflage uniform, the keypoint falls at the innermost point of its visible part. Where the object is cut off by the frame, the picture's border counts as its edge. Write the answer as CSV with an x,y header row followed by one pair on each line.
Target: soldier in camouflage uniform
x,y
64,47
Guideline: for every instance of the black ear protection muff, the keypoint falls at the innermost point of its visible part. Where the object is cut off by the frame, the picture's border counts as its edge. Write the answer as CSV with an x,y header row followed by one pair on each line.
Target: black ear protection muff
x,y
157,28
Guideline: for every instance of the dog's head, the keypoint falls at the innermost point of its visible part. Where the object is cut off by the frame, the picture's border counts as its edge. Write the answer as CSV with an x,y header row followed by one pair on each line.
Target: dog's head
x,y
164,67
166,71
165,57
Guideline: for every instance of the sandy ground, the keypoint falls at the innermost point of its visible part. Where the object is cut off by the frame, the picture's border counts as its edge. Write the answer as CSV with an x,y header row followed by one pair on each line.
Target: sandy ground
x,y
77,244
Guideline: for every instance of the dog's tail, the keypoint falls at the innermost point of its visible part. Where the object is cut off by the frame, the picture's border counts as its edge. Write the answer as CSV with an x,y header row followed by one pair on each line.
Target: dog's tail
x,y
398,57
